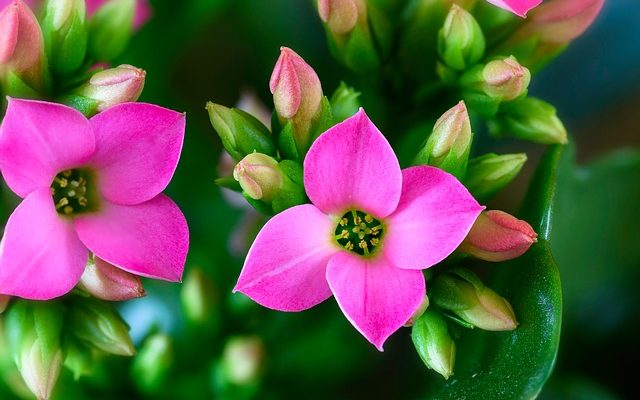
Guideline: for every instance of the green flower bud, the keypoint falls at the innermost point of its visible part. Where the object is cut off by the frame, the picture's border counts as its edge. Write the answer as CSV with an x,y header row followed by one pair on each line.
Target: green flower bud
x,y
98,325
243,359
530,119
199,296
110,29
240,132
152,365
449,144
461,291
65,34
33,332
433,343
490,173
79,358
461,42
344,102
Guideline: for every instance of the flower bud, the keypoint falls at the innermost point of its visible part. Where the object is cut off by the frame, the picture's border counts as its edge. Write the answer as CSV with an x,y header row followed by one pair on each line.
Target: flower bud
x,y
561,21
141,15
259,176
344,102
461,42
498,236
152,364
65,34
297,95
461,291
21,45
198,296
113,86
505,79
433,343
490,173
418,313
449,145
33,331
243,359
78,358
110,29
4,302
240,132
341,16
107,282
98,325
530,119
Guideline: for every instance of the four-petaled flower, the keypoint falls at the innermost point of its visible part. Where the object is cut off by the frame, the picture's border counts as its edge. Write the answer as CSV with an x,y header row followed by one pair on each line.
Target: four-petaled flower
x,y
89,185
370,231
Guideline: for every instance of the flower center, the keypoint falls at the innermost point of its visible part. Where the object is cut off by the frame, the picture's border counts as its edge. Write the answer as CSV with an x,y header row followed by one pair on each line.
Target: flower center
x,y
72,194
359,232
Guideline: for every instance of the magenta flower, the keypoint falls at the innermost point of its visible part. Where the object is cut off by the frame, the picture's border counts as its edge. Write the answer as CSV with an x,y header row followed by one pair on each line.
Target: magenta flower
x,y
370,231
518,7
89,186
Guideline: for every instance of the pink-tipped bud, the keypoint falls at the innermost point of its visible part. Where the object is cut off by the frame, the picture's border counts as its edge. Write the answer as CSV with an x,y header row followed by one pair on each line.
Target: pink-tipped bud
x,y
107,282
505,78
21,41
114,86
498,236
259,176
296,89
341,16
561,21
4,302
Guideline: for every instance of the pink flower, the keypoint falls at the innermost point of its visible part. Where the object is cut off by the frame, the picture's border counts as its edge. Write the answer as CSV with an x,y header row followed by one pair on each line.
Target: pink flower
x,y
370,231
518,7
89,185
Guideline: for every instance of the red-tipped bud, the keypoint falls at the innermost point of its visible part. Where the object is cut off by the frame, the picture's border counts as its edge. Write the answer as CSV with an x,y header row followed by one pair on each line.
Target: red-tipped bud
x,y
341,16
297,92
21,41
498,236
114,86
561,21
107,282
505,78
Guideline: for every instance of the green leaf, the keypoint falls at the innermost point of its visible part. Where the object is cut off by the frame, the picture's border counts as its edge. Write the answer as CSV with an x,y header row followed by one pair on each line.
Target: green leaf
x,y
516,364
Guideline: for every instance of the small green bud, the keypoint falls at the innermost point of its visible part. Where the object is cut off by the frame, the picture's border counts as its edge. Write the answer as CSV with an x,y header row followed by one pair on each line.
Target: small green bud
x,y
344,102
461,291
461,42
79,359
433,343
33,332
490,173
152,365
243,359
198,295
65,34
449,144
98,325
110,29
530,119
240,132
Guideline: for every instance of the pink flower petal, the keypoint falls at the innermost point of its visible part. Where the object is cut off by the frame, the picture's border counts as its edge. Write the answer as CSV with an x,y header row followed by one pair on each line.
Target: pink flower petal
x,y
376,297
40,255
518,7
149,239
38,140
137,150
285,267
434,216
353,166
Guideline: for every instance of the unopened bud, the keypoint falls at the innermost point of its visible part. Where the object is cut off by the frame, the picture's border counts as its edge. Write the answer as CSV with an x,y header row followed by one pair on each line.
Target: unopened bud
x,y
98,325
243,359
461,291
341,16
78,357
297,95
259,176
449,145
344,102
461,42
198,296
418,313
114,86
152,364
561,21
505,79
110,29
34,330
142,11
4,302
530,119
107,282
65,34
490,173
498,236
241,133
433,343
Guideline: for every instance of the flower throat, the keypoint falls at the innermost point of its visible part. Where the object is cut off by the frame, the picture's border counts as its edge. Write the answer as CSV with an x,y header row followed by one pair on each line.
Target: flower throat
x,y
71,192
359,232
